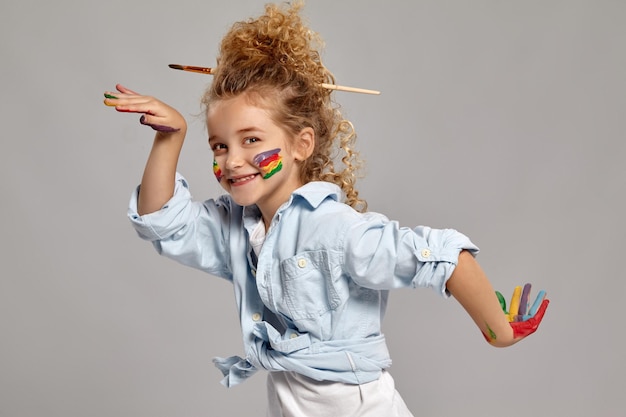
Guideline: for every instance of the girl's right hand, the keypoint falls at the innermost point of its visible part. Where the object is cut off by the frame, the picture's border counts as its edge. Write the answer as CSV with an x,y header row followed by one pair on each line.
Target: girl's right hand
x,y
154,113
524,318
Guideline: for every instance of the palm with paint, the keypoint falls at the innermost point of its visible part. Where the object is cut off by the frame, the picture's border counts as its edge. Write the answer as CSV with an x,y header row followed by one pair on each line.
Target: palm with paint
x,y
523,318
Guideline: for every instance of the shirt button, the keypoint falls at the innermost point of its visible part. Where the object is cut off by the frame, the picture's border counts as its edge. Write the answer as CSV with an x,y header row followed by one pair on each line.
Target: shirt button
x,y
293,335
426,253
256,317
301,262
254,272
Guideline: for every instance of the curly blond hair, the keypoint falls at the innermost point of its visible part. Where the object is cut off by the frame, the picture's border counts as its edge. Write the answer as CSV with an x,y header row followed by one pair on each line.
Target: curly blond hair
x,y
276,57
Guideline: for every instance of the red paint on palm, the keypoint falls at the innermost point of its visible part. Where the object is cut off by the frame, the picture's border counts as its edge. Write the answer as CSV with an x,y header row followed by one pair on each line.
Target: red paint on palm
x,y
522,329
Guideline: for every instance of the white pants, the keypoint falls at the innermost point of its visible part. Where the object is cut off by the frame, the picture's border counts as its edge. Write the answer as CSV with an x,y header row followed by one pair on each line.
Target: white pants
x,y
293,395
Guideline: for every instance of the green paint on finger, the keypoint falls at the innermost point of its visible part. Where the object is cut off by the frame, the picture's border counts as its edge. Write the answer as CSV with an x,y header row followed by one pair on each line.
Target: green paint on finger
x,y
109,96
502,301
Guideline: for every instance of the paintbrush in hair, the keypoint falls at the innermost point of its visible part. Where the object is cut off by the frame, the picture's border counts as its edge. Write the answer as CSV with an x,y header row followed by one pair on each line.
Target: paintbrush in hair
x,y
206,70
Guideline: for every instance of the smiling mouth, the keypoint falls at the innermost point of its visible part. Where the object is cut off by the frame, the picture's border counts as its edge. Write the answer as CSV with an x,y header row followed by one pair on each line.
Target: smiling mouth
x,y
242,179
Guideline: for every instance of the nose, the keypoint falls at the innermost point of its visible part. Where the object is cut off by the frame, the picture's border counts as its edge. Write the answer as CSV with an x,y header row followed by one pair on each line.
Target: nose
x,y
234,160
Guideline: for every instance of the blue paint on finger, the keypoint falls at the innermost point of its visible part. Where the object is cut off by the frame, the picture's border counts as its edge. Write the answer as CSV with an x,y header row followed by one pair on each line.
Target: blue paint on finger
x,y
536,304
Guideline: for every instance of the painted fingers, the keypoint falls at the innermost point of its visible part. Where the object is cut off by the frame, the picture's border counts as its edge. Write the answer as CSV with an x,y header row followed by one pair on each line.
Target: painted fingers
x,y
154,113
519,306
523,318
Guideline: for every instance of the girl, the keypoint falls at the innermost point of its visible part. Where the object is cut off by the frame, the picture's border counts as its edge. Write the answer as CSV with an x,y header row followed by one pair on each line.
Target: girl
x,y
311,268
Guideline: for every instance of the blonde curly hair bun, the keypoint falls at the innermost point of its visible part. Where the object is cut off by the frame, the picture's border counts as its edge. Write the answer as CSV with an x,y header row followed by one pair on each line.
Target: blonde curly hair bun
x,y
275,59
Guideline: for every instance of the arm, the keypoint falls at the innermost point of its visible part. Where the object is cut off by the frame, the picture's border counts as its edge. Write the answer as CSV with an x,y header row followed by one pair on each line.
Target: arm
x,y
157,184
469,285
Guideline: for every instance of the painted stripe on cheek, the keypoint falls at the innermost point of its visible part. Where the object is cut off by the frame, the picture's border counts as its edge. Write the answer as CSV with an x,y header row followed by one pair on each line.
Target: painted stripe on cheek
x,y
217,171
269,162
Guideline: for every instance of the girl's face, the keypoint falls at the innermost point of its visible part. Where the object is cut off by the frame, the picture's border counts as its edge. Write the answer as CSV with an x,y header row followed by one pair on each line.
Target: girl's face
x,y
256,161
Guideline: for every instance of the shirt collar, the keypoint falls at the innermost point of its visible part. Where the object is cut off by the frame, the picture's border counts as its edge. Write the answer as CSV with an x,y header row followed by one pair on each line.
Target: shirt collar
x,y
313,193
317,191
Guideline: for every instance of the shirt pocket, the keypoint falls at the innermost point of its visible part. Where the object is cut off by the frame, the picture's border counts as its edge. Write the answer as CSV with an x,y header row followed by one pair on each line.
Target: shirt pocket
x,y
309,289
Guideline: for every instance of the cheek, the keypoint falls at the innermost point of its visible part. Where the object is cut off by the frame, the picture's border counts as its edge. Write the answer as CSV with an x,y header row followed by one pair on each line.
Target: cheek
x,y
269,162
217,171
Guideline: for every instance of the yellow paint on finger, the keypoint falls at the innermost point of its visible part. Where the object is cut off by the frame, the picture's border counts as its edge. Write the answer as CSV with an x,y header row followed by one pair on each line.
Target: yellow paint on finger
x,y
109,96
515,300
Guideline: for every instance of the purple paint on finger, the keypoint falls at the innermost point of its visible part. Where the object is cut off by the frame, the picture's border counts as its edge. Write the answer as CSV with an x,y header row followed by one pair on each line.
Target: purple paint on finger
x,y
158,128
523,304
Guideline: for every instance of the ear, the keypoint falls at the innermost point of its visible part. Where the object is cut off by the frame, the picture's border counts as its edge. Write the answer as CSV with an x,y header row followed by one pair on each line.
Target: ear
x,y
305,143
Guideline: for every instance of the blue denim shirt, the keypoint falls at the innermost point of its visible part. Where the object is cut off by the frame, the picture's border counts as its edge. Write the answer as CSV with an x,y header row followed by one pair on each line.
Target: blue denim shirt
x,y
314,299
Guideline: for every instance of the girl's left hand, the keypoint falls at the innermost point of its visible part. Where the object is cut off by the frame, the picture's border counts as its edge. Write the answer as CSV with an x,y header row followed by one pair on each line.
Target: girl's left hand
x,y
523,320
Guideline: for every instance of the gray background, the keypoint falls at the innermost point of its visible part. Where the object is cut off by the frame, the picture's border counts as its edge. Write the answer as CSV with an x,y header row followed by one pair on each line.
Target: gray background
x,y
502,119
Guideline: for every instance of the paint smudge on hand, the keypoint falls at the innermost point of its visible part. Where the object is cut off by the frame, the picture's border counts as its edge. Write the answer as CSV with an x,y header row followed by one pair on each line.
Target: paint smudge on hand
x,y
158,128
491,337
269,162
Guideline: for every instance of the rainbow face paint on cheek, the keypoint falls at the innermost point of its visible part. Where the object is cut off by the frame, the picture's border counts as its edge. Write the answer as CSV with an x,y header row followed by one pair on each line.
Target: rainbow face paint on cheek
x,y
217,171
269,162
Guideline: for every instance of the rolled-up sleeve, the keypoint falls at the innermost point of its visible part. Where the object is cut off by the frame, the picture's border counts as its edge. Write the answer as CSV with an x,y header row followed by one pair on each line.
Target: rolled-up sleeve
x,y
187,231
438,256
381,255
168,220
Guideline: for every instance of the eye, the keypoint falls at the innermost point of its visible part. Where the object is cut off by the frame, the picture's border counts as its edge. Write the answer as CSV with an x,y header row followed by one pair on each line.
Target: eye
x,y
251,140
218,147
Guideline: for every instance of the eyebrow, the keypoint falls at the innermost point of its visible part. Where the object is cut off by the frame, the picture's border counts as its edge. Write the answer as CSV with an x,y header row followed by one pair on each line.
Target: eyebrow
x,y
251,129
240,131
